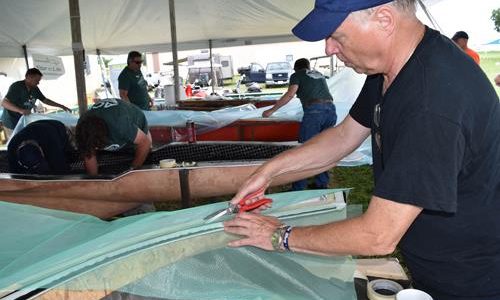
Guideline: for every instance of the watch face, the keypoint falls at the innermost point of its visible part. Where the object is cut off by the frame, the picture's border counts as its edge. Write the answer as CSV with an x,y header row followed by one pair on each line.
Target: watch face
x,y
275,239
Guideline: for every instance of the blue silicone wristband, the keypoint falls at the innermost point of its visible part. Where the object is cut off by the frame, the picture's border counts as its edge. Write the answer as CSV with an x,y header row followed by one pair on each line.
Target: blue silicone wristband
x,y
288,230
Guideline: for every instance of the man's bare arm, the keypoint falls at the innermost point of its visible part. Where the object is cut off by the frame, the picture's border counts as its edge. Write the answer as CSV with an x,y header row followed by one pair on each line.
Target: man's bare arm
x,y
91,164
289,94
317,155
55,104
124,95
376,232
12,107
143,147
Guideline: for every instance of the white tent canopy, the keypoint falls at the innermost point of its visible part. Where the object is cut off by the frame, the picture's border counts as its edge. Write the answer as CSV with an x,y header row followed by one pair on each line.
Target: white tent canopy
x,y
116,26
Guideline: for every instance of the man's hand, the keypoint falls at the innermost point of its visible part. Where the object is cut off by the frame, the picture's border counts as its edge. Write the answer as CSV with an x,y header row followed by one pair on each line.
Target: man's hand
x,y
256,182
25,112
267,113
256,229
66,109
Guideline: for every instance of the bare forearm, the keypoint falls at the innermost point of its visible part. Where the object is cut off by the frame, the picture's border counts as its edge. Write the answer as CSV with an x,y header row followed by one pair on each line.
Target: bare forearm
x,y
376,232
10,106
124,95
91,165
348,237
282,102
53,103
141,153
311,158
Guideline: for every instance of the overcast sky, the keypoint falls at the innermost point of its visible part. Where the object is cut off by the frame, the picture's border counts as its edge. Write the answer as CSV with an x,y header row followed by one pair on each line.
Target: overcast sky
x,y
473,17
451,16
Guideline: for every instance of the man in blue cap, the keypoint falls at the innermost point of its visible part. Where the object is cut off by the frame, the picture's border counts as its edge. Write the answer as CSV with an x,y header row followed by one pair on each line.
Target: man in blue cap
x,y
434,118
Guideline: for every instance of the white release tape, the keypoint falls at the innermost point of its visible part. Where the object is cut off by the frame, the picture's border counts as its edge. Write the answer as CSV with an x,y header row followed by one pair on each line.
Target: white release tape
x,y
167,163
383,289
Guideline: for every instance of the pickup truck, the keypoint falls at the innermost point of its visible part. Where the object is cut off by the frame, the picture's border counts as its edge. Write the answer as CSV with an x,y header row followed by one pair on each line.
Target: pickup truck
x,y
252,73
278,73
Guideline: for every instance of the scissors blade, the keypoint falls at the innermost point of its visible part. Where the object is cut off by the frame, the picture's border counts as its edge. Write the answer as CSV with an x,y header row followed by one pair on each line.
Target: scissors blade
x,y
216,215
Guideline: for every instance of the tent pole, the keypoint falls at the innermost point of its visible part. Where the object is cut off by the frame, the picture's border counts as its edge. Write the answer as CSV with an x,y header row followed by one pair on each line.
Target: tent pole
x,y
103,71
214,77
25,51
78,54
173,35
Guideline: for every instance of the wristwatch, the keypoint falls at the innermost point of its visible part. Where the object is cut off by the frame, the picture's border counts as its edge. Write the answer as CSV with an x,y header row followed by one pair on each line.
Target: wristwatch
x,y
277,238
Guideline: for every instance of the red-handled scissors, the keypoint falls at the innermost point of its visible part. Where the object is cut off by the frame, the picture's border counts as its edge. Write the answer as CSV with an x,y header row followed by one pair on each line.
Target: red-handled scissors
x,y
242,206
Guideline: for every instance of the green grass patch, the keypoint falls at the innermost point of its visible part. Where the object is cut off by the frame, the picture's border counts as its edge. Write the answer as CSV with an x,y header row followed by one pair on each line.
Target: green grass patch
x,y
490,63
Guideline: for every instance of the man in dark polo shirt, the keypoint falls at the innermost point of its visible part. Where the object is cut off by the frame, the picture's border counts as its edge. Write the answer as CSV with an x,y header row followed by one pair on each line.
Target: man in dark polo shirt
x,y
112,124
131,83
40,148
21,98
319,111
434,119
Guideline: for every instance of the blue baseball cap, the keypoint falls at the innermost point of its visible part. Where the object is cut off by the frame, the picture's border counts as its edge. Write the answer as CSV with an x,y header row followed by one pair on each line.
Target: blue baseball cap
x,y
327,15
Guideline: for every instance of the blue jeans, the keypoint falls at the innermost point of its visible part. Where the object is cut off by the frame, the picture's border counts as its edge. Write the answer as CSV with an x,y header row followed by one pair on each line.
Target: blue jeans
x,y
317,117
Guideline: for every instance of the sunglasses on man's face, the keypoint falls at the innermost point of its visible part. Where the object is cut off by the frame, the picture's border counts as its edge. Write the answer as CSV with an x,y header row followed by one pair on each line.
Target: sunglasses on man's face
x,y
139,62
376,122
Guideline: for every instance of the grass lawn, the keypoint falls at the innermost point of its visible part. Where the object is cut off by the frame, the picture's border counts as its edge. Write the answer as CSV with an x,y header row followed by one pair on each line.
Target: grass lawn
x,y
490,63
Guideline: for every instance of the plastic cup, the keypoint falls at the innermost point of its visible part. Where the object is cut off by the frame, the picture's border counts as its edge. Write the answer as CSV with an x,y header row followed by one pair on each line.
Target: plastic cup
x,y
412,294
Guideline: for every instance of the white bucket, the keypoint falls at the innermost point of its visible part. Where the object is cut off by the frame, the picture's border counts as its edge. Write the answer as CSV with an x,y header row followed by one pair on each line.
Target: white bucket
x,y
169,93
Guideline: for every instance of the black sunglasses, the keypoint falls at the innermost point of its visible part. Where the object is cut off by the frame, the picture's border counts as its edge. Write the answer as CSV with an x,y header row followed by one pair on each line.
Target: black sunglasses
x,y
139,62
376,122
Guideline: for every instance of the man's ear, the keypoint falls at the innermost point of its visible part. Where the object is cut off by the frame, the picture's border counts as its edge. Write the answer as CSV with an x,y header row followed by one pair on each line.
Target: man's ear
x,y
385,19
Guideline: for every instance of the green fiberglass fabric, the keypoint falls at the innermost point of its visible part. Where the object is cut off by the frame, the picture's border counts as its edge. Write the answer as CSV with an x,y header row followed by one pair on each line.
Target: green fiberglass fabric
x,y
165,255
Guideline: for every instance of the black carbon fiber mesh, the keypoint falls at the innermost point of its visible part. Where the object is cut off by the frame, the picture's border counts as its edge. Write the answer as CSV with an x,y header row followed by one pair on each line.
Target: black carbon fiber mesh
x,y
217,151
117,162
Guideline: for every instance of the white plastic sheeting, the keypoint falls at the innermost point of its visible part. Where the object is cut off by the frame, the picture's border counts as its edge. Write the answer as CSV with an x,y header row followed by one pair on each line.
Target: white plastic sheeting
x,y
344,86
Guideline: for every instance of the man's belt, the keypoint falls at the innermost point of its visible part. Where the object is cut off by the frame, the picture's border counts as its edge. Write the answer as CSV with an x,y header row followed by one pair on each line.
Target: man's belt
x,y
319,101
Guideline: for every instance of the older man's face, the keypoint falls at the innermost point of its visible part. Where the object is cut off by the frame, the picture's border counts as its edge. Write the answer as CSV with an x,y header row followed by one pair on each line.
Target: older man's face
x,y
357,44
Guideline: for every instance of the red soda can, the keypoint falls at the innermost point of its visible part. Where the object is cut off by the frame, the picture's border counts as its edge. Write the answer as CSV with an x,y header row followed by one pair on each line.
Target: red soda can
x,y
191,132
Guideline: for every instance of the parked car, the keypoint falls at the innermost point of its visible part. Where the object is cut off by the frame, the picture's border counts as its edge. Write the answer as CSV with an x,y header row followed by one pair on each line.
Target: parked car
x,y
278,73
252,73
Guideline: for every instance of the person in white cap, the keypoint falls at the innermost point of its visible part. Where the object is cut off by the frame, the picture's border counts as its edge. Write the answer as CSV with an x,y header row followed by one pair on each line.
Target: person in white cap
x,y
434,118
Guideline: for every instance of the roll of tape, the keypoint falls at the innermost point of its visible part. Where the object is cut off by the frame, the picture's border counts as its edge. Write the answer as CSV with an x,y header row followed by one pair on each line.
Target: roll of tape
x,y
383,289
167,163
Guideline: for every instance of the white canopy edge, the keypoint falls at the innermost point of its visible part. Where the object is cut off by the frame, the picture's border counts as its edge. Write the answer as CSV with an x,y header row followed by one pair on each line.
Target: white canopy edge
x,y
118,26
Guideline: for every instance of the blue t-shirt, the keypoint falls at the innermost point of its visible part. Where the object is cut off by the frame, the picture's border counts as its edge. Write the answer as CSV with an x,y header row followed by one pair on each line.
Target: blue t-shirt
x,y
439,149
